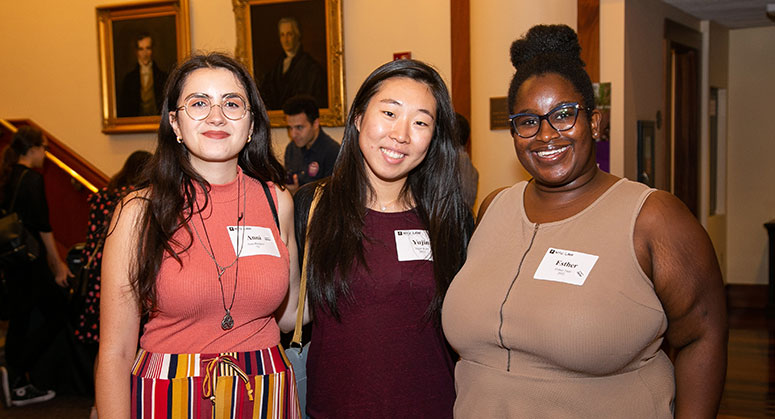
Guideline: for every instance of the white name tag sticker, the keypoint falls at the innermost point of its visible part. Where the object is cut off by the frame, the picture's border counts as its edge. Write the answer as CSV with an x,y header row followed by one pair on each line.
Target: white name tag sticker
x,y
413,245
566,266
253,240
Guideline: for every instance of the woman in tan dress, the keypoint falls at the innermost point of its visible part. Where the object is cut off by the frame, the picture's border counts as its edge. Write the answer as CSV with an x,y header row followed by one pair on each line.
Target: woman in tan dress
x,y
574,278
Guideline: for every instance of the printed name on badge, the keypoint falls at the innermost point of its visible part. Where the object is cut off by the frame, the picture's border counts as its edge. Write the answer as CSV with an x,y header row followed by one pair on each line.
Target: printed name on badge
x,y
257,241
566,266
413,245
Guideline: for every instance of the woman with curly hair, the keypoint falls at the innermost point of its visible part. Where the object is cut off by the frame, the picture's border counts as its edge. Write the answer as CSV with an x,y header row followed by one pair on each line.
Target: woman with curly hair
x,y
576,277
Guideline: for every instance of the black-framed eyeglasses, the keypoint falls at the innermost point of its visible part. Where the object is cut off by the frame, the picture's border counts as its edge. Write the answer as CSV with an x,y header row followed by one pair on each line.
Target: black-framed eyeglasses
x,y
199,106
561,118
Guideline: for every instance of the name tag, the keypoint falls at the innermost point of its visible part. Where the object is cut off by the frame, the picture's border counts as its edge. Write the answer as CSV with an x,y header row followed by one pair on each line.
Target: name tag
x,y
413,245
253,241
566,266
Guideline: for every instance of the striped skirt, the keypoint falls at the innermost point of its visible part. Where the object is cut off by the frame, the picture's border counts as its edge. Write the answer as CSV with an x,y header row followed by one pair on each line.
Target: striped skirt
x,y
258,384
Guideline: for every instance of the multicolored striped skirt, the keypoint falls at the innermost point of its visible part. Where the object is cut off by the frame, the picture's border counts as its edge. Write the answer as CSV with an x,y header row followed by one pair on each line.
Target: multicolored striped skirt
x,y
258,384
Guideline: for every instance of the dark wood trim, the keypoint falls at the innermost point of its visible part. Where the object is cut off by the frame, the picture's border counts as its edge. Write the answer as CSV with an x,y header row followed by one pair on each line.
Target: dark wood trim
x,y
746,296
682,34
588,29
460,33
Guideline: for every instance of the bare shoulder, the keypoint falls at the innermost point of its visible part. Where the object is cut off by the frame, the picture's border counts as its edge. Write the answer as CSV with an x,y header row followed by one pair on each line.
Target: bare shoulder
x,y
284,200
486,203
130,208
664,216
673,245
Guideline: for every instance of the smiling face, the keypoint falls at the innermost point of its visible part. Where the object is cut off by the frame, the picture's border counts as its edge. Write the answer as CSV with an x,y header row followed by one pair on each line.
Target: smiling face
x,y
396,130
555,158
214,140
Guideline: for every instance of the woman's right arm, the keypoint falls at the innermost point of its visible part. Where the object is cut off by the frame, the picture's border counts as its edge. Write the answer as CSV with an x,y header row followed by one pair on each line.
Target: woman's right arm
x,y
119,312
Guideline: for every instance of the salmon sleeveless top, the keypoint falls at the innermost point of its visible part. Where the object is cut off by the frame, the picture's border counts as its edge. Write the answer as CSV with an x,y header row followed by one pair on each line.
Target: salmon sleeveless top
x,y
190,303
543,334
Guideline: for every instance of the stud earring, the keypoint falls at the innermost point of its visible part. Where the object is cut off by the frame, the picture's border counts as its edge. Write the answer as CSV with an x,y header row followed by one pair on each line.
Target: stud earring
x,y
179,140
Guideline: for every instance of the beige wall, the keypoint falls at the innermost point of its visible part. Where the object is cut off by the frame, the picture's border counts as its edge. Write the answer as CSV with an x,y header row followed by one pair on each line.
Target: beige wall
x,y
644,91
750,151
495,24
50,71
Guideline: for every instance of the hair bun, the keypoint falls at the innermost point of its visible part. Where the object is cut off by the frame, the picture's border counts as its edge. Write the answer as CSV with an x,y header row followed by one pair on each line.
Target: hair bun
x,y
546,39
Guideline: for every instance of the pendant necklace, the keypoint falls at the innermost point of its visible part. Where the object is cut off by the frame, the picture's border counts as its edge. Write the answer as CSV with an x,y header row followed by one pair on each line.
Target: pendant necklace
x,y
384,207
227,322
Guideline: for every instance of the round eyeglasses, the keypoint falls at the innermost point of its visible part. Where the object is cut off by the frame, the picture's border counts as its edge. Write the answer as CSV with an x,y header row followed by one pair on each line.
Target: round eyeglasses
x,y
198,107
561,118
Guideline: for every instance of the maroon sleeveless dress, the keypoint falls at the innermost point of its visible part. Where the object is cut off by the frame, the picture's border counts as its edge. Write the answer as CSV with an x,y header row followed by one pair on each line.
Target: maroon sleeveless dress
x,y
385,358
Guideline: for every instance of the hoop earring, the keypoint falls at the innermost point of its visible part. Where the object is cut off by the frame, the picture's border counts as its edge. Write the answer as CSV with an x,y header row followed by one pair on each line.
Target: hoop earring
x,y
249,138
179,140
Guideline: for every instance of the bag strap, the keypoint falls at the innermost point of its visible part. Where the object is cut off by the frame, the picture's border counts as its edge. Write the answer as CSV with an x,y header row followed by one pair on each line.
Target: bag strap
x,y
16,190
271,204
303,282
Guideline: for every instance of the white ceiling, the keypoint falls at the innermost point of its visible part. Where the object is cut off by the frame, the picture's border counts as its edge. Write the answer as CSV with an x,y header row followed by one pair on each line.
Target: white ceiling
x,y
734,14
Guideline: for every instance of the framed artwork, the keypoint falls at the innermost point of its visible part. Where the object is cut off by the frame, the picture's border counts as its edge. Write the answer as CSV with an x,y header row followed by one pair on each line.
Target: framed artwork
x,y
646,152
139,44
294,47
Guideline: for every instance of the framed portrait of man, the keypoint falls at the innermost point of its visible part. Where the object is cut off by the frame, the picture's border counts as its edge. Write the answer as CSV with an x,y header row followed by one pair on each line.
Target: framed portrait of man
x,y
294,47
139,44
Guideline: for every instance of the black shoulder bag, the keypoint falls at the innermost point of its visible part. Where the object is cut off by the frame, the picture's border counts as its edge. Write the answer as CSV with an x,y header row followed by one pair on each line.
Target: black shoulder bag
x,y
17,245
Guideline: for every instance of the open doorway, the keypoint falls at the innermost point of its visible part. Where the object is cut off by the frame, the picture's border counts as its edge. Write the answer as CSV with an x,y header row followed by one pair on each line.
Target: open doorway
x,y
682,120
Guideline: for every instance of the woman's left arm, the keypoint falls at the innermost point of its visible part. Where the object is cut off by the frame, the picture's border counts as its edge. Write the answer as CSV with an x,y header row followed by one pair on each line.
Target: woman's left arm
x,y
677,254
286,313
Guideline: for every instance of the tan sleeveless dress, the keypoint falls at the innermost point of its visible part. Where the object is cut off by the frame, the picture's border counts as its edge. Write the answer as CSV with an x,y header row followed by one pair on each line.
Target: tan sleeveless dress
x,y
536,348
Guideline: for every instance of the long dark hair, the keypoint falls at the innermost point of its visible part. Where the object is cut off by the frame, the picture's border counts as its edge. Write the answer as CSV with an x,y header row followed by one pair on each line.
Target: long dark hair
x,y
172,181
335,234
23,140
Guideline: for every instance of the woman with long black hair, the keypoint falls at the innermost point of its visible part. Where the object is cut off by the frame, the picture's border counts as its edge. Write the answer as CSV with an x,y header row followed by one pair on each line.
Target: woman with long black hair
x,y
386,238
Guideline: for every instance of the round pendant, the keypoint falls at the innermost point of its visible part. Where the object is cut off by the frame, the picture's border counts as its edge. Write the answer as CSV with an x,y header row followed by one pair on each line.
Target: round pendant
x,y
227,322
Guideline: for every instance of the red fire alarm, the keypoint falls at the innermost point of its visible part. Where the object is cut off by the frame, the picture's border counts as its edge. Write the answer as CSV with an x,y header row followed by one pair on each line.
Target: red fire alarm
x,y
406,55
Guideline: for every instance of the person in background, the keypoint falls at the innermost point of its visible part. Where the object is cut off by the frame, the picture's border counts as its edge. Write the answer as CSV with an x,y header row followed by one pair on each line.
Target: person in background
x,y
311,154
469,176
101,205
32,287
389,233
576,277
205,248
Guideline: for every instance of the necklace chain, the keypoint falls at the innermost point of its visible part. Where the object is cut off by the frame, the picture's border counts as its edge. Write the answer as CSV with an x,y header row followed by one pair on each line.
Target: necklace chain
x,y
385,206
227,322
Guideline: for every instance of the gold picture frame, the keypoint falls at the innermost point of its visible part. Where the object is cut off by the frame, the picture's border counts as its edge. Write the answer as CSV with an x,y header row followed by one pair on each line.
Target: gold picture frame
x,y
156,32
259,48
